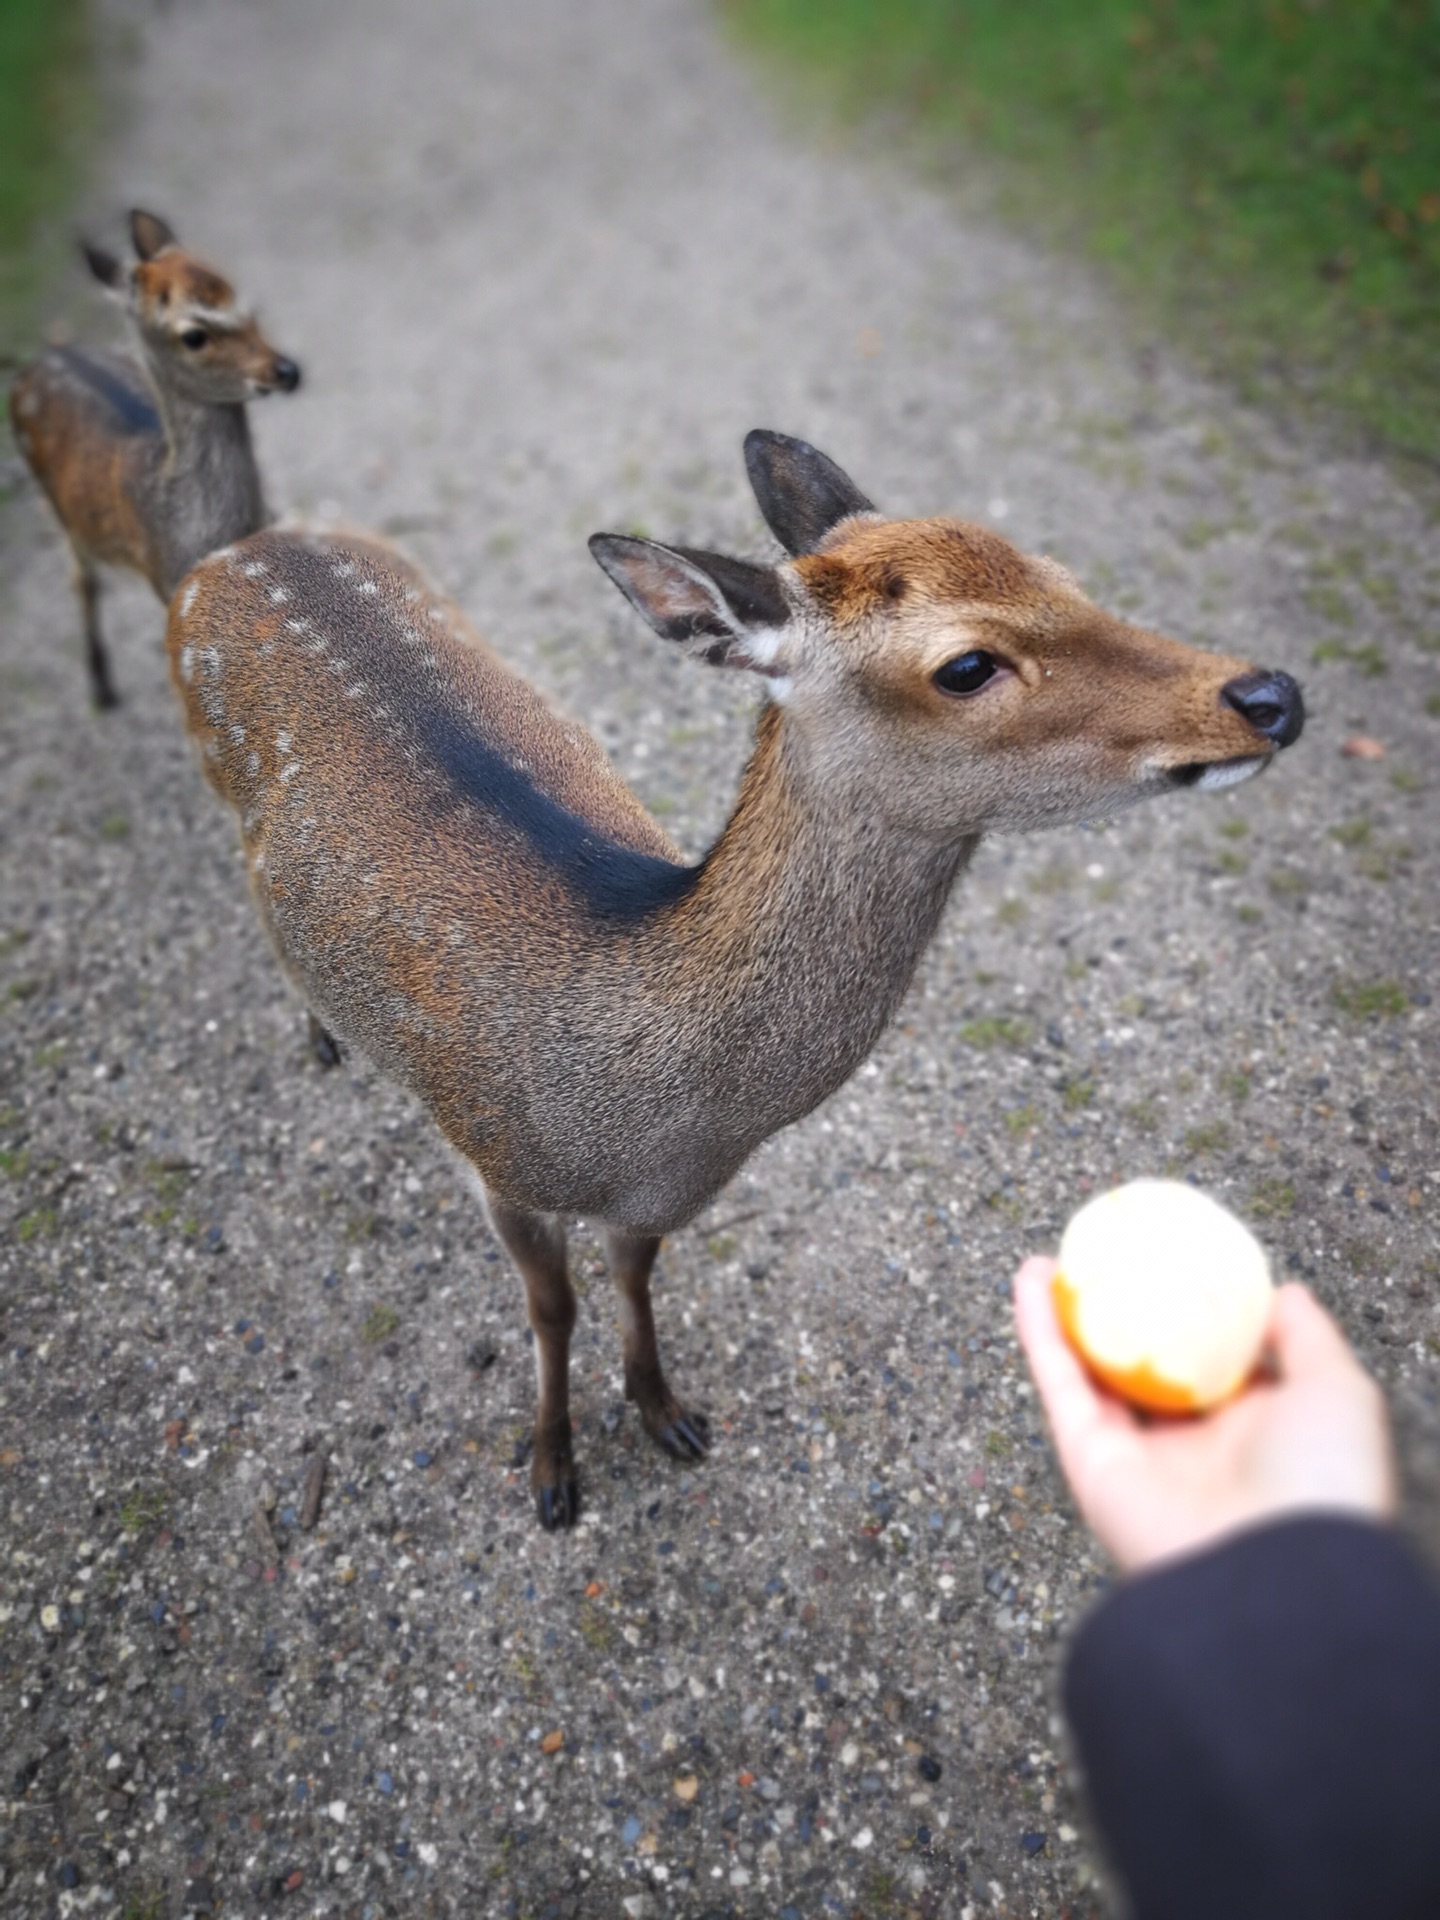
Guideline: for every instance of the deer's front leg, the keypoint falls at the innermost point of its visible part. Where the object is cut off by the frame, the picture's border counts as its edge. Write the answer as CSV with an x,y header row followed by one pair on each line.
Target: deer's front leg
x,y
536,1243
681,1433
324,1047
97,660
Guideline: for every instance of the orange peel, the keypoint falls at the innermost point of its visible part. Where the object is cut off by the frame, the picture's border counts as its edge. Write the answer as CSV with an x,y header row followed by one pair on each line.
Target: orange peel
x,y
1164,1295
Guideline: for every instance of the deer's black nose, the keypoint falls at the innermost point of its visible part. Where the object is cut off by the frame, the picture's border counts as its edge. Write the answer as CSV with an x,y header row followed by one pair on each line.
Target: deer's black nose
x,y
287,374
1271,703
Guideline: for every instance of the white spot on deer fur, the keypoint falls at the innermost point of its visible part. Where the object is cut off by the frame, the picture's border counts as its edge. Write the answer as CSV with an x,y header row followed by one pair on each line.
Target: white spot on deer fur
x,y
187,664
354,693
252,569
367,586
187,599
781,688
344,569
289,770
282,742
278,596
252,762
237,734
297,625
764,646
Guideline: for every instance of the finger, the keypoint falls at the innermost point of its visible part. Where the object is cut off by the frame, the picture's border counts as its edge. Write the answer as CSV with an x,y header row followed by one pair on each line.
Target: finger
x,y
1307,1342
1078,1412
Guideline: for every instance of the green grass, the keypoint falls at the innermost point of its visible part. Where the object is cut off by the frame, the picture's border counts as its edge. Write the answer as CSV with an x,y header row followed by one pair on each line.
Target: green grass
x,y
1261,176
381,1321
1370,999
44,120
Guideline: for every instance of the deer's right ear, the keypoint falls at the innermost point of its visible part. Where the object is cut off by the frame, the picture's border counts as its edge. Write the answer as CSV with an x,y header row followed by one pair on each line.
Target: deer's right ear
x,y
150,234
105,267
725,611
801,491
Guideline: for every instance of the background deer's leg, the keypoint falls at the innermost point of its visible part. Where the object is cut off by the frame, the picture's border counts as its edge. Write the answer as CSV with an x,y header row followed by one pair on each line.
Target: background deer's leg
x,y
323,1044
684,1434
87,592
536,1243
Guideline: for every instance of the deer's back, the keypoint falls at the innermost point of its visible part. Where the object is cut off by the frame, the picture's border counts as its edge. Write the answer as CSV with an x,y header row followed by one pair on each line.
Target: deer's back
x,y
454,874
87,425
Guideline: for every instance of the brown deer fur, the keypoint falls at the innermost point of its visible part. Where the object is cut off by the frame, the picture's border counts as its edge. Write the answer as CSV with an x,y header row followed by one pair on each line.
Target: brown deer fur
x,y
461,885
148,462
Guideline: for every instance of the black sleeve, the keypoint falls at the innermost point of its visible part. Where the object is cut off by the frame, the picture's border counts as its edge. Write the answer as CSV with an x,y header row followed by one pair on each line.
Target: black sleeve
x,y
1260,1727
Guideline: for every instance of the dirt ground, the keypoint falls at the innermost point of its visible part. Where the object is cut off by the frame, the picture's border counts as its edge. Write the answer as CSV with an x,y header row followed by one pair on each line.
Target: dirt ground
x,y
544,265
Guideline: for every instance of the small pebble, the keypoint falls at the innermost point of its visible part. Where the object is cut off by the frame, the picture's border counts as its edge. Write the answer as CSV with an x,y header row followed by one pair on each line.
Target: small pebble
x,y
929,1767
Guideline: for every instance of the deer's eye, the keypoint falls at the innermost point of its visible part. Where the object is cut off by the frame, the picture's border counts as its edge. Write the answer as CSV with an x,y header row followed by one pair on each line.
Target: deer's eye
x,y
194,338
966,673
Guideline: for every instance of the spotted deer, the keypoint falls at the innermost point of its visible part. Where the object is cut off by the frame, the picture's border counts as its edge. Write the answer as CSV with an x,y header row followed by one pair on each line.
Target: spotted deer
x,y
148,462
461,885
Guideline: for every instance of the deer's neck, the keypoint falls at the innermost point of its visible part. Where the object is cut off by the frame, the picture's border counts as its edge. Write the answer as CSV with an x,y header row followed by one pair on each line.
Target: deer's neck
x,y
813,914
208,482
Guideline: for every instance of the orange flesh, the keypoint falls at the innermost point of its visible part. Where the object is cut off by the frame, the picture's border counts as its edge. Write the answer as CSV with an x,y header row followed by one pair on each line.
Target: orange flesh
x,y
1140,1385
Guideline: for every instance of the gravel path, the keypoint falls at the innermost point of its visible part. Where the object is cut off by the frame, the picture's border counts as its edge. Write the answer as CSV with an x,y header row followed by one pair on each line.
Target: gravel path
x,y
544,265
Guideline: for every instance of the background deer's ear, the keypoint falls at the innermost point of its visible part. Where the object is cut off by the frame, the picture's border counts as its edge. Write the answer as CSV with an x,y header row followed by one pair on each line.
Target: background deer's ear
x,y
105,267
801,491
725,611
150,234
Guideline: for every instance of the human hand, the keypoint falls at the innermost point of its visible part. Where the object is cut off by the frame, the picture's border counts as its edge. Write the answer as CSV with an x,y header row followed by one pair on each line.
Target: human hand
x,y
1313,1435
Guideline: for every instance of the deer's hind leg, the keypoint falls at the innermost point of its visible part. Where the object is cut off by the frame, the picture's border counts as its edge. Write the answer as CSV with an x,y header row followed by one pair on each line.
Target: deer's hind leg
x,y
683,1434
536,1243
87,592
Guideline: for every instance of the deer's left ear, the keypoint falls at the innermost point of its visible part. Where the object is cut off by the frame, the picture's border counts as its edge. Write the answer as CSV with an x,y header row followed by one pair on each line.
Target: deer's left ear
x,y
801,492
150,233
727,612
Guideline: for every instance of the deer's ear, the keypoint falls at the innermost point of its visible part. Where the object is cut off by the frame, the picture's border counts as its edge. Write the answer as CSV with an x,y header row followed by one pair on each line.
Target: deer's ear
x,y
725,611
105,267
150,234
802,493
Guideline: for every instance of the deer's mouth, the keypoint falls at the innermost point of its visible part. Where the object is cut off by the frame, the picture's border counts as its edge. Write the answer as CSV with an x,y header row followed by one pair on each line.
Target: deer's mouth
x,y
1211,776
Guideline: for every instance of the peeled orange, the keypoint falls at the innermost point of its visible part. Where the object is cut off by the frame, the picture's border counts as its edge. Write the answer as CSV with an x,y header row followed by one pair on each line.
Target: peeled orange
x,y
1164,1294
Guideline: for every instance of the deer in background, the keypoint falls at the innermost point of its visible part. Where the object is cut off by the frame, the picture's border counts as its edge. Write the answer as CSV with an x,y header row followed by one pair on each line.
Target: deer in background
x,y
462,886
148,462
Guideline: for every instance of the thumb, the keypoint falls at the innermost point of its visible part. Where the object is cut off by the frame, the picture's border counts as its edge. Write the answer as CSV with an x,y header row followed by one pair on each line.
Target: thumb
x,y
1306,1342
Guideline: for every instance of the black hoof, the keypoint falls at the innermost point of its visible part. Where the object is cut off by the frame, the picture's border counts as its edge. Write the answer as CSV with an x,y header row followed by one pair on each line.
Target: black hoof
x,y
323,1044
105,697
558,1506
685,1436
